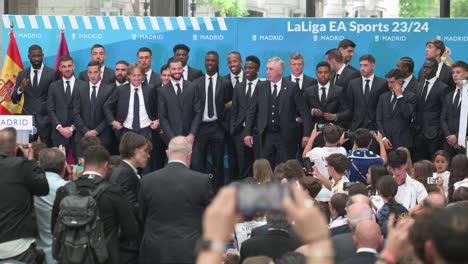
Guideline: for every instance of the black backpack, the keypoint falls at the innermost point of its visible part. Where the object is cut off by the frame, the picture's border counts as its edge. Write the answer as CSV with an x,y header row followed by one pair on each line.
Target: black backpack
x,y
78,234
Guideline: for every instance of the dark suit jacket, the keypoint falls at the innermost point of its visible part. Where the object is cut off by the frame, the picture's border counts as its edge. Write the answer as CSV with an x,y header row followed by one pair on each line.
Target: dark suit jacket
x,y
108,77
412,85
35,100
445,76
84,117
427,114
193,74
274,244
124,176
240,106
155,79
115,214
116,107
20,180
306,82
450,117
291,102
263,230
364,112
336,103
346,76
395,124
343,245
223,94
339,230
179,118
172,201
60,109
361,258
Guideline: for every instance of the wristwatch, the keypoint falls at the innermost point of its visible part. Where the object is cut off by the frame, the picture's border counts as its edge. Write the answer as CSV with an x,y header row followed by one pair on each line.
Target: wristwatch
x,y
210,245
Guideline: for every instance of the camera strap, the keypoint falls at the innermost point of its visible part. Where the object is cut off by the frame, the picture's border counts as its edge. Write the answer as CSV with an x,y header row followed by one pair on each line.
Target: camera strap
x,y
358,171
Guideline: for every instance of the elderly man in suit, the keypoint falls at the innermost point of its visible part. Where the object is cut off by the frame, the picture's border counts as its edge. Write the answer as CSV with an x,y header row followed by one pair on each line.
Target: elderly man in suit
x,y
430,100
275,116
367,238
60,106
394,113
32,85
172,201
98,54
88,107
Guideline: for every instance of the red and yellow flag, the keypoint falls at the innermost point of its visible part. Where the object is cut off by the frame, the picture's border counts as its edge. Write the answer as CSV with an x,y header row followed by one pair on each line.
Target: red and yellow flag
x,y
11,67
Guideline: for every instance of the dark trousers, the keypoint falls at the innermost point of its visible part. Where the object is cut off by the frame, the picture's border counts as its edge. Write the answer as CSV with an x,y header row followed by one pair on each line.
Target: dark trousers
x,y
424,148
43,131
234,171
158,153
451,151
210,138
276,150
32,255
244,157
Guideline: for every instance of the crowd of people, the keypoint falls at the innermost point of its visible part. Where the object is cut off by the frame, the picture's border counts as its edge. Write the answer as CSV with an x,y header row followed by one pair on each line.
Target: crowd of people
x,y
129,166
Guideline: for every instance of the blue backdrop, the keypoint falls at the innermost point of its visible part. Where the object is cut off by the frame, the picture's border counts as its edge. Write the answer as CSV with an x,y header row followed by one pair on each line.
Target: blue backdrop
x,y
386,39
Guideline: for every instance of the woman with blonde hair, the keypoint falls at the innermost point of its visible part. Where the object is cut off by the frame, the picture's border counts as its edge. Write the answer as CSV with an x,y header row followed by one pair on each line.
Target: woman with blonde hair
x,y
262,171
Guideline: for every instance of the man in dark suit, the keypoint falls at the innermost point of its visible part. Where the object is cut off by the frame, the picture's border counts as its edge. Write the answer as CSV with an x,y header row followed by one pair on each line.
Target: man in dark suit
x,y
275,114
363,95
152,79
114,209
394,113
430,100
21,179
241,101
60,106
213,92
88,112
235,76
406,67
274,243
435,48
181,52
450,117
296,64
34,83
99,54
367,238
135,152
172,201
346,48
180,111
326,102
132,107
342,73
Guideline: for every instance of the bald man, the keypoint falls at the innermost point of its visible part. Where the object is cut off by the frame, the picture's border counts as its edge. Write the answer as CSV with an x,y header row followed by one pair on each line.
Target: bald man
x,y
367,238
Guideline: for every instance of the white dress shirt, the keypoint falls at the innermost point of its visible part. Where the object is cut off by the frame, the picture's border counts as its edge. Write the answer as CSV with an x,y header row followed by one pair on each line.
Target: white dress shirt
x,y
39,74
371,78
145,121
254,84
278,87
91,89
429,87
174,85
207,83
233,77
301,79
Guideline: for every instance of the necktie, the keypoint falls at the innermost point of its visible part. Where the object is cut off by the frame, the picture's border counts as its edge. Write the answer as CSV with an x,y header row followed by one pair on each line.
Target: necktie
x,y
35,79
179,93
210,99
249,91
274,90
136,111
337,76
145,81
456,101
367,90
67,91
424,92
93,101
323,98
237,81
394,101
297,80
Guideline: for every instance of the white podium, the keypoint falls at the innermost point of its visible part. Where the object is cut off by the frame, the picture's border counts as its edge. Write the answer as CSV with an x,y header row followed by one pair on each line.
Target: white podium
x,y
22,123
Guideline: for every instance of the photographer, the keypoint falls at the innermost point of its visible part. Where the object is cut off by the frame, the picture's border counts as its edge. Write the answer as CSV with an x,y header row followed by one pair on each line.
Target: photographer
x,y
361,158
220,217
21,179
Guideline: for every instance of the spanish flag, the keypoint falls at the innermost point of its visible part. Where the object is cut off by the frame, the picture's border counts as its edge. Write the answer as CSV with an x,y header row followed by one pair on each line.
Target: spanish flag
x,y
11,67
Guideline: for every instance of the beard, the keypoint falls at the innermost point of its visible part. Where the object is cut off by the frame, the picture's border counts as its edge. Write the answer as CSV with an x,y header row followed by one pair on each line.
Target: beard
x,y
173,76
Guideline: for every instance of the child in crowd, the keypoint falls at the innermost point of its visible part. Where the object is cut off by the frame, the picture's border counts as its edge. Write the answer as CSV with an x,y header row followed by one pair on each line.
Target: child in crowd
x,y
441,162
